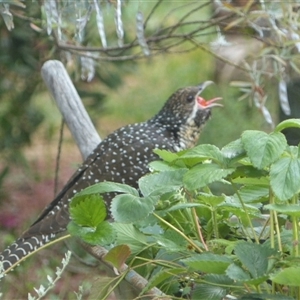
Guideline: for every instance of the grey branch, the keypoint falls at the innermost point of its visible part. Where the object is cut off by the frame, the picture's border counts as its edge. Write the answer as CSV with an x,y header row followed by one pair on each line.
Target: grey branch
x,y
70,106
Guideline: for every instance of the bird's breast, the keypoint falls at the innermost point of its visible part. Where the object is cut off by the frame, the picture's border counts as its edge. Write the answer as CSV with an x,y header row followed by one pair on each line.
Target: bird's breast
x,y
188,136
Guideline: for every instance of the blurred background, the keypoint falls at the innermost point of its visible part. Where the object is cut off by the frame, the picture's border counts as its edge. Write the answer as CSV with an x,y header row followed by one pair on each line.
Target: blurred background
x,y
125,59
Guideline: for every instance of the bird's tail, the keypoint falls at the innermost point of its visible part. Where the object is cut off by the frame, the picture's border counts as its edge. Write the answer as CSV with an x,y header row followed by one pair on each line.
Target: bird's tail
x,y
21,249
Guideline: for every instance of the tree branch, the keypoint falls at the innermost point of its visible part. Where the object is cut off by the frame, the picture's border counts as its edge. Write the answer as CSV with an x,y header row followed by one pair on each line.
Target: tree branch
x,y
70,106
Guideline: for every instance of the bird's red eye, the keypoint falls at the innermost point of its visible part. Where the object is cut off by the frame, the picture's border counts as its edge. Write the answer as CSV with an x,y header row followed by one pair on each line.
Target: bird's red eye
x,y
190,98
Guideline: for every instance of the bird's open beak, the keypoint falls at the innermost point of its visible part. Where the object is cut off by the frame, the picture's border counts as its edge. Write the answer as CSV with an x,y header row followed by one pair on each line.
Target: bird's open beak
x,y
203,103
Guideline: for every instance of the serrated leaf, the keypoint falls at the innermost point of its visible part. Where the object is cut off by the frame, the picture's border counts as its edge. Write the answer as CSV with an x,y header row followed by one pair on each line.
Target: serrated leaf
x,y
257,281
171,237
255,257
204,174
263,149
181,206
102,234
235,272
127,208
263,181
88,210
169,245
237,209
265,296
291,209
166,155
238,274
161,166
208,292
117,256
127,234
101,286
234,149
290,123
289,276
162,182
203,152
108,187
208,263
215,291
248,171
161,276
253,193
284,177
210,199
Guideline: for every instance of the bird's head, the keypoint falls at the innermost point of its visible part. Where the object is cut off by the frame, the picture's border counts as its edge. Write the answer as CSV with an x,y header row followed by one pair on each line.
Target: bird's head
x,y
186,106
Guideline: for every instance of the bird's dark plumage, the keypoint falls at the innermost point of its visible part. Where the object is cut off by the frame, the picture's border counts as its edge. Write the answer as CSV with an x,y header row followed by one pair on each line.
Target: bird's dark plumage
x,y
122,157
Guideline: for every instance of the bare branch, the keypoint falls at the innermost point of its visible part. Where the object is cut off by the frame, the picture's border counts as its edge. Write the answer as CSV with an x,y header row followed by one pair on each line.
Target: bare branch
x,y
131,276
70,106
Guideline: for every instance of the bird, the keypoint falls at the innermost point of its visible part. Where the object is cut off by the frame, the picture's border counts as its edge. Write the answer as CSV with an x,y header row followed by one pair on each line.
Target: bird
x,y
123,157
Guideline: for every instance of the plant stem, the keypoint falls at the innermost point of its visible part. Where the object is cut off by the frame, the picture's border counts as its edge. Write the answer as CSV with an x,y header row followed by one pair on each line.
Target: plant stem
x,y
215,226
245,210
175,221
179,232
295,231
272,217
198,228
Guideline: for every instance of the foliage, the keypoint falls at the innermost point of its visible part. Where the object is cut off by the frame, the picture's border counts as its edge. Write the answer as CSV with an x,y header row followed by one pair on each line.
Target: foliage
x,y
192,239
98,31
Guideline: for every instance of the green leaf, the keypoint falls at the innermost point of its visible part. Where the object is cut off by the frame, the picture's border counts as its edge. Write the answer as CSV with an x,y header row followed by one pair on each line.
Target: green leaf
x,y
210,199
171,241
170,245
108,187
88,210
117,256
289,276
236,273
203,152
181,206
288,124
166,155
127,208
161,166
255,257
284,177
262,148
265,296
161,276
236,208
208,263
208,292
215,291
291,209
204,174
248,172
127,234
263,181
234,150
102,234
240,275
253,193
162,182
